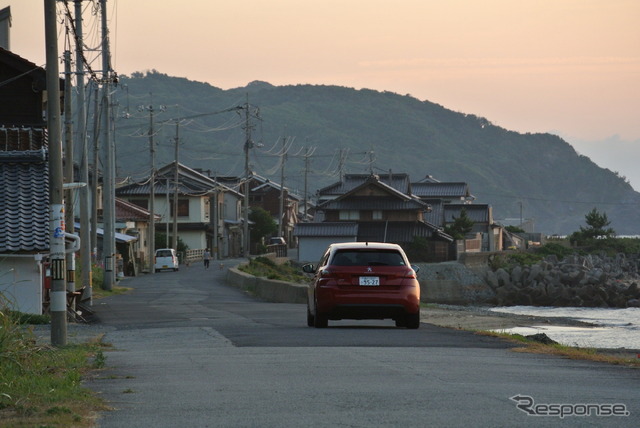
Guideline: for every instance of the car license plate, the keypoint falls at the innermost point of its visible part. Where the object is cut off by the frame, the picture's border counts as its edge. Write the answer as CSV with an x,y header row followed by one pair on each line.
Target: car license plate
x,y
369,280
165,266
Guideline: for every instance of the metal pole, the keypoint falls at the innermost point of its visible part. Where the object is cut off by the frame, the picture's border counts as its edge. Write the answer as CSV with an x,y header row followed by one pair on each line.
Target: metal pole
x,y
108,195
81,141
58,306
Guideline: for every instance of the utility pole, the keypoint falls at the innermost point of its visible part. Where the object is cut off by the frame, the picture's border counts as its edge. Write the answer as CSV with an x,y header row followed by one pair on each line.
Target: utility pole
x,y
341,164
152,194
81,141
68,171
281,211
108,194
58,306
175,191
94,181
215,214
306,173
247,176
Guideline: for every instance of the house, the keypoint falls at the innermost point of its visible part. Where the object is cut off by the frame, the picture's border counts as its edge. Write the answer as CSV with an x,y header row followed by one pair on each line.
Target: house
x,y
24,174
377,211
208,212
24,230
133,220
485,235
314,238
268,195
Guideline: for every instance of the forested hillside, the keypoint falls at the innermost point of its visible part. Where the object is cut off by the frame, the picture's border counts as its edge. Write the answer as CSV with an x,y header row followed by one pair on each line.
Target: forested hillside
x,y
357,131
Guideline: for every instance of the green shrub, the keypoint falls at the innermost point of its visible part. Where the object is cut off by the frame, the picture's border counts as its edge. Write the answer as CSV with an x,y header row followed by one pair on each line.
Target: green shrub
x,y
266,268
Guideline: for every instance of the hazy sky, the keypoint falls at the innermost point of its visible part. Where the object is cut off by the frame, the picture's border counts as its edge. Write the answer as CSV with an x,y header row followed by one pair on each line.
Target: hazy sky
x,y
570,67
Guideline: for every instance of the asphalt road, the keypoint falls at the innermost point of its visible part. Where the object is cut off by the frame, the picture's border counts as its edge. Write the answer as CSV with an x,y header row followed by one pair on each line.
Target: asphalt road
x,y
190,351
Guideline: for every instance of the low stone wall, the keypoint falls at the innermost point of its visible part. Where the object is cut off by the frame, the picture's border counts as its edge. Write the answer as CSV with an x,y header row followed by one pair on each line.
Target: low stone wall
x,y
269,290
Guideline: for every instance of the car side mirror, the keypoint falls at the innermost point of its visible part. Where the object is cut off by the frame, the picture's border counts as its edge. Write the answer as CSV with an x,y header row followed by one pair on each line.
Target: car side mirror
x,y
415,268
308,268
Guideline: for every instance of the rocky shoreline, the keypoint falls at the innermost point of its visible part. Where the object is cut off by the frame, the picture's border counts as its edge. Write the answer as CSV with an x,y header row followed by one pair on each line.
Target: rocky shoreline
x,y
578,281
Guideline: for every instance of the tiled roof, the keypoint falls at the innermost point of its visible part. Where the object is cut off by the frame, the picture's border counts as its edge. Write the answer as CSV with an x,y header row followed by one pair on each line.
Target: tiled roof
x,y
436,215
373,203
190,182
479,213
334,229
126,211
399,182
24,201
440,190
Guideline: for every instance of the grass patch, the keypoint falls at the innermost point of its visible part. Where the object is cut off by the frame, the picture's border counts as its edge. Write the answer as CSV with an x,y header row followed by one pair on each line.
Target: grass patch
x,y
41,385
571,352
265,268
99,293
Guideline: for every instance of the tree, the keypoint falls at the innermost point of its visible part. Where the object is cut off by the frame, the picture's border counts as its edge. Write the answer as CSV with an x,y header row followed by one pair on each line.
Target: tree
x,y
596,228
263,224
460,226
597,223
514,229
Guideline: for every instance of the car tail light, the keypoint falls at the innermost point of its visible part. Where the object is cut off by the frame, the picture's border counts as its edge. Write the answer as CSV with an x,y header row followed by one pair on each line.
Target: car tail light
x,y
410,273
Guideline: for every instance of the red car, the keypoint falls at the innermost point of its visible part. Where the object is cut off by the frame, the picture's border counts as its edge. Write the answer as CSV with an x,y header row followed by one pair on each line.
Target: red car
x,y
363,280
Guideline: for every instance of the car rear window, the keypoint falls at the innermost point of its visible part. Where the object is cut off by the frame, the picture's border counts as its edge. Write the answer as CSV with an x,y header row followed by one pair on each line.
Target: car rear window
x,y
367,258
163,253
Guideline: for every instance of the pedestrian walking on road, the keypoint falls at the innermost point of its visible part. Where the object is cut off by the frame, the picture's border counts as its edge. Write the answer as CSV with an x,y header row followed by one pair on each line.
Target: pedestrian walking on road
x,y
207,257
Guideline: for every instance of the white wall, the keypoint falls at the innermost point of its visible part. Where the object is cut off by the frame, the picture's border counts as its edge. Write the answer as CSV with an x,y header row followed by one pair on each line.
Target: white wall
x,y
21,284
311,249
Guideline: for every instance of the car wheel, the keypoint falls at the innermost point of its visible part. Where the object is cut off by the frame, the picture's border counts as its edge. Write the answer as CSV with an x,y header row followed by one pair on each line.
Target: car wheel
x,y
320,321
413,320
400,322
310,318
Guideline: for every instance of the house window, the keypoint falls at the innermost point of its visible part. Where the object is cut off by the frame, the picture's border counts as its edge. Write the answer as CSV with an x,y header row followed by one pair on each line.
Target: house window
x,y
376,215
350,215
183,208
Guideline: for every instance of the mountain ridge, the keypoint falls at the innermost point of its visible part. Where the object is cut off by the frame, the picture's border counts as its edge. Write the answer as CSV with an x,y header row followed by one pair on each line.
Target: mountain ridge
x,y
541,174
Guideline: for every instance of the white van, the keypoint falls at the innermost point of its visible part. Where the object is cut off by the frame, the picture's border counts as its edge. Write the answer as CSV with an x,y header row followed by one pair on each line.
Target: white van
x,y
166,258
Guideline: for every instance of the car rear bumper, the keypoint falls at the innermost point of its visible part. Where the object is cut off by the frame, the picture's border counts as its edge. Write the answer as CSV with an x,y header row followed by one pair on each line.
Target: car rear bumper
x,y
336,303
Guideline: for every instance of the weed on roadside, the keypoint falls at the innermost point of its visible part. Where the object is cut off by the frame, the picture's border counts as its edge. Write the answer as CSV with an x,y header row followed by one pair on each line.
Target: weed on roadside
x,y
41,385
571,352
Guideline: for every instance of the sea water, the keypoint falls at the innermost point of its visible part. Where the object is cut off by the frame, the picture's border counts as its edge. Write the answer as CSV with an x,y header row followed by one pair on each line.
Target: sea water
x,y
614,328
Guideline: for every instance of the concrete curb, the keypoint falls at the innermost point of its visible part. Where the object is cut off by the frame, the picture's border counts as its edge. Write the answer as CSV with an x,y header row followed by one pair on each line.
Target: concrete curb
x,y
269,290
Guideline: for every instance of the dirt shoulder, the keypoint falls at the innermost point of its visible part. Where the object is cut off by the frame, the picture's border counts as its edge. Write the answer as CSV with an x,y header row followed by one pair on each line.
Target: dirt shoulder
x,y
478,318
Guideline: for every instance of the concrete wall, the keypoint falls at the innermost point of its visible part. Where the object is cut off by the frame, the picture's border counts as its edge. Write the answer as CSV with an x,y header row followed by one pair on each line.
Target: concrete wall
x,y
268,289
446,283
21,284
